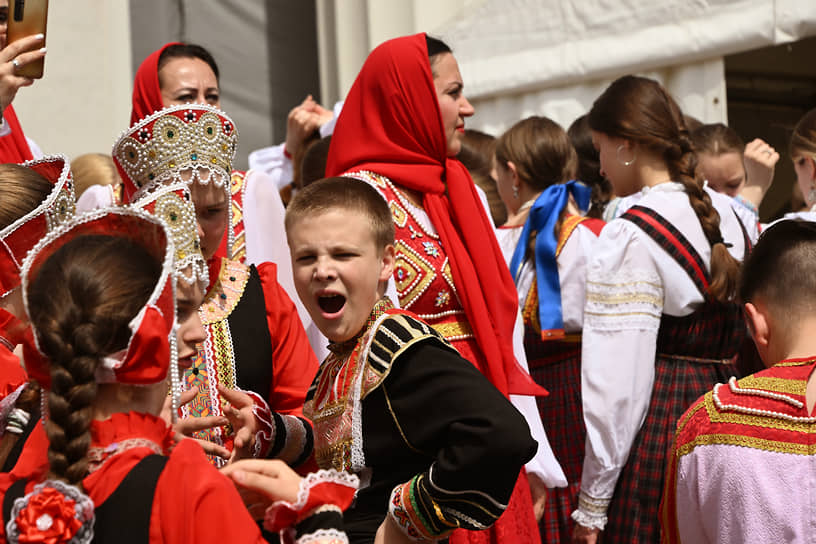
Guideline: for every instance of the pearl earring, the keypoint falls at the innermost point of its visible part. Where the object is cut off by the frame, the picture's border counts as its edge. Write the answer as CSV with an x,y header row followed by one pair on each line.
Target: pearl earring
x,y
625,163
515,191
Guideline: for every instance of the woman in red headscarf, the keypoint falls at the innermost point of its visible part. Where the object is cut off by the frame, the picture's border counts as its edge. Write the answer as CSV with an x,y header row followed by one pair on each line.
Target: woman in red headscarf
x,y
400,130
255,338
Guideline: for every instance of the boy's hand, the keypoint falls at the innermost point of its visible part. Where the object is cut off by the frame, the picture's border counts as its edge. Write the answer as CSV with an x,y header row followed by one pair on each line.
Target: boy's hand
x,y
389,533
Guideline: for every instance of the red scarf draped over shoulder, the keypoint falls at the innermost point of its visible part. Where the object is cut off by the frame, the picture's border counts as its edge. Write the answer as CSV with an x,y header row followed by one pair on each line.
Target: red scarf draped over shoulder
x,y
391,124
14,147
147,97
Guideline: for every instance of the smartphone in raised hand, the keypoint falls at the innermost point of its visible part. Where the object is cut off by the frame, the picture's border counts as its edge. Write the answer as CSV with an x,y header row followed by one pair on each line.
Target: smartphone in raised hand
x,y
27,18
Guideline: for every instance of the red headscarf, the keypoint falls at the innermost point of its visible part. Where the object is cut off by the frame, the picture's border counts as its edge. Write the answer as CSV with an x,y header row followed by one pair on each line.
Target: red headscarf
x,y
391,124
147,96
14,147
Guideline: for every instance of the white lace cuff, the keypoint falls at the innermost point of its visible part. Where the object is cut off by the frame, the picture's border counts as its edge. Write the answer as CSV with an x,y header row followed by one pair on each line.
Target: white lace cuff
x,y
591,512
317,490
324,536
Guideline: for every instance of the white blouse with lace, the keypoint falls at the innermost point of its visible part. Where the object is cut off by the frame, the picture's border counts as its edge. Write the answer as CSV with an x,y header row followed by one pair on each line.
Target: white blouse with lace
x,y
631,282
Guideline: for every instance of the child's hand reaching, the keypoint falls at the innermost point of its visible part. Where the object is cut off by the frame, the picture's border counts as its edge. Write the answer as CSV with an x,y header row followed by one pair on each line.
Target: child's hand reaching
x,y
184,428
262,482
242,418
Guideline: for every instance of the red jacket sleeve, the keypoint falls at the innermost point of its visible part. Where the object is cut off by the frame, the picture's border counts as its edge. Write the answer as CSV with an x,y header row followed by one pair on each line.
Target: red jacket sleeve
x,y
294,362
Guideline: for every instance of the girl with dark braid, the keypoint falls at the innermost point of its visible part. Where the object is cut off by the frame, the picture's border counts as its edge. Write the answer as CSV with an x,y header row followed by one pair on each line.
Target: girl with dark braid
x,y
660,323
101,297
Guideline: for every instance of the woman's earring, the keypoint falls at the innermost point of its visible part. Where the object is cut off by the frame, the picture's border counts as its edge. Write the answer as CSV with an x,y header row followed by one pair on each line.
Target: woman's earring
x,y
630,162
515,191
812,195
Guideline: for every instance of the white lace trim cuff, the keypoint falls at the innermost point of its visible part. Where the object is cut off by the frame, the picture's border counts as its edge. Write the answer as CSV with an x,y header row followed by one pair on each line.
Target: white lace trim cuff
x,y
324,536
316,478
591,512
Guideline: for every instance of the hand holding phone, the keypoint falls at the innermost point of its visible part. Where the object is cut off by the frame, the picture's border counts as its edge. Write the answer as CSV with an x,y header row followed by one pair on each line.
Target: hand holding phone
x,y
15,55
27,18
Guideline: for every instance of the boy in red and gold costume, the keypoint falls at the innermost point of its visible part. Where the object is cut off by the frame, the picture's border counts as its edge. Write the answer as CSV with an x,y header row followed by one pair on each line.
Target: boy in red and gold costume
x,y
742,467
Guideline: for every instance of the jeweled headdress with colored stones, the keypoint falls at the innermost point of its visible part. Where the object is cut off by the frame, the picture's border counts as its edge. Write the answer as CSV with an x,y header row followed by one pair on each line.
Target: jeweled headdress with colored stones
x,y
182,143
173,204
19,237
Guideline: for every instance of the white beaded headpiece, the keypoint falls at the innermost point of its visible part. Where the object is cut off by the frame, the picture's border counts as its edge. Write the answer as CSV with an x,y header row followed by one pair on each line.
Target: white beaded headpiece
x,y
173,204
19,237
176,143
184,143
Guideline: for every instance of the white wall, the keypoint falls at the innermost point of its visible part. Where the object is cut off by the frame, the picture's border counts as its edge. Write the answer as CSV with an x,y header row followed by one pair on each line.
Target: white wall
x,y
82,103
349,29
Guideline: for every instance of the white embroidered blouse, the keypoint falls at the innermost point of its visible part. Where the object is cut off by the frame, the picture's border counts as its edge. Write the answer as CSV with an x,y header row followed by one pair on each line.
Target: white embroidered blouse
x,y
631,282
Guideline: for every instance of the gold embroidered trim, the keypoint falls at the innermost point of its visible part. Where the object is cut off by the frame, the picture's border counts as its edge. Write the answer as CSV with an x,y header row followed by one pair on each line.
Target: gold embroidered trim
x,y
639,282
747,441
625,298
767,422
454,329
795,363
622,314
225,293
778,385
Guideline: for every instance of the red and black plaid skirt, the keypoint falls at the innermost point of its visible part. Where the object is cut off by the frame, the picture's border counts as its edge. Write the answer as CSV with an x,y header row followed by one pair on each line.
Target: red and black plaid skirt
x,y
715,332
556,365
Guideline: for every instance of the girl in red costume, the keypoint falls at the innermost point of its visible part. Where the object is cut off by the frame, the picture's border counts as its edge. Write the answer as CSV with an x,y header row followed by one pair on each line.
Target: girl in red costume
x,y
256,357
100,293
35,197
400,130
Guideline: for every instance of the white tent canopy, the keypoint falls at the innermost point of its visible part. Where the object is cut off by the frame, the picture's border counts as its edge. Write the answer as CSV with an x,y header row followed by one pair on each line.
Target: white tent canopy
x,y
553,57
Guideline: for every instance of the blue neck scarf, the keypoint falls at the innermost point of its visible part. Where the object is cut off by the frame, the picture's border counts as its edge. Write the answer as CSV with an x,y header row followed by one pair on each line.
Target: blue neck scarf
x,y
542,219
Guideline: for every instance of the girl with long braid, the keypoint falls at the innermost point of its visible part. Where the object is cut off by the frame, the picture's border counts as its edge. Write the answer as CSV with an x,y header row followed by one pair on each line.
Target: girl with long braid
x,y
101,297
660,322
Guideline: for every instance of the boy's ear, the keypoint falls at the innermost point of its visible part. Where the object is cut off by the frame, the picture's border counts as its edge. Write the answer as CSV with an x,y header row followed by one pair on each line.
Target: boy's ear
x,y
811,167
389,258
756,316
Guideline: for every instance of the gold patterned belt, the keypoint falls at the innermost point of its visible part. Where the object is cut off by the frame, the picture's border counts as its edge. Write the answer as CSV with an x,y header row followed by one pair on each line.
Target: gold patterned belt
x,y
454,330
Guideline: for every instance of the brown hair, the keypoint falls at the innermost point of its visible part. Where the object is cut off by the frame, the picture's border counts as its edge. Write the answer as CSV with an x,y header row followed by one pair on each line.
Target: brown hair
x,y
435,47
21,191
344,194
780,270
717,139
642,111
589,166
186,51
803,139
477,156
93,169
540,150
81,303
313,162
